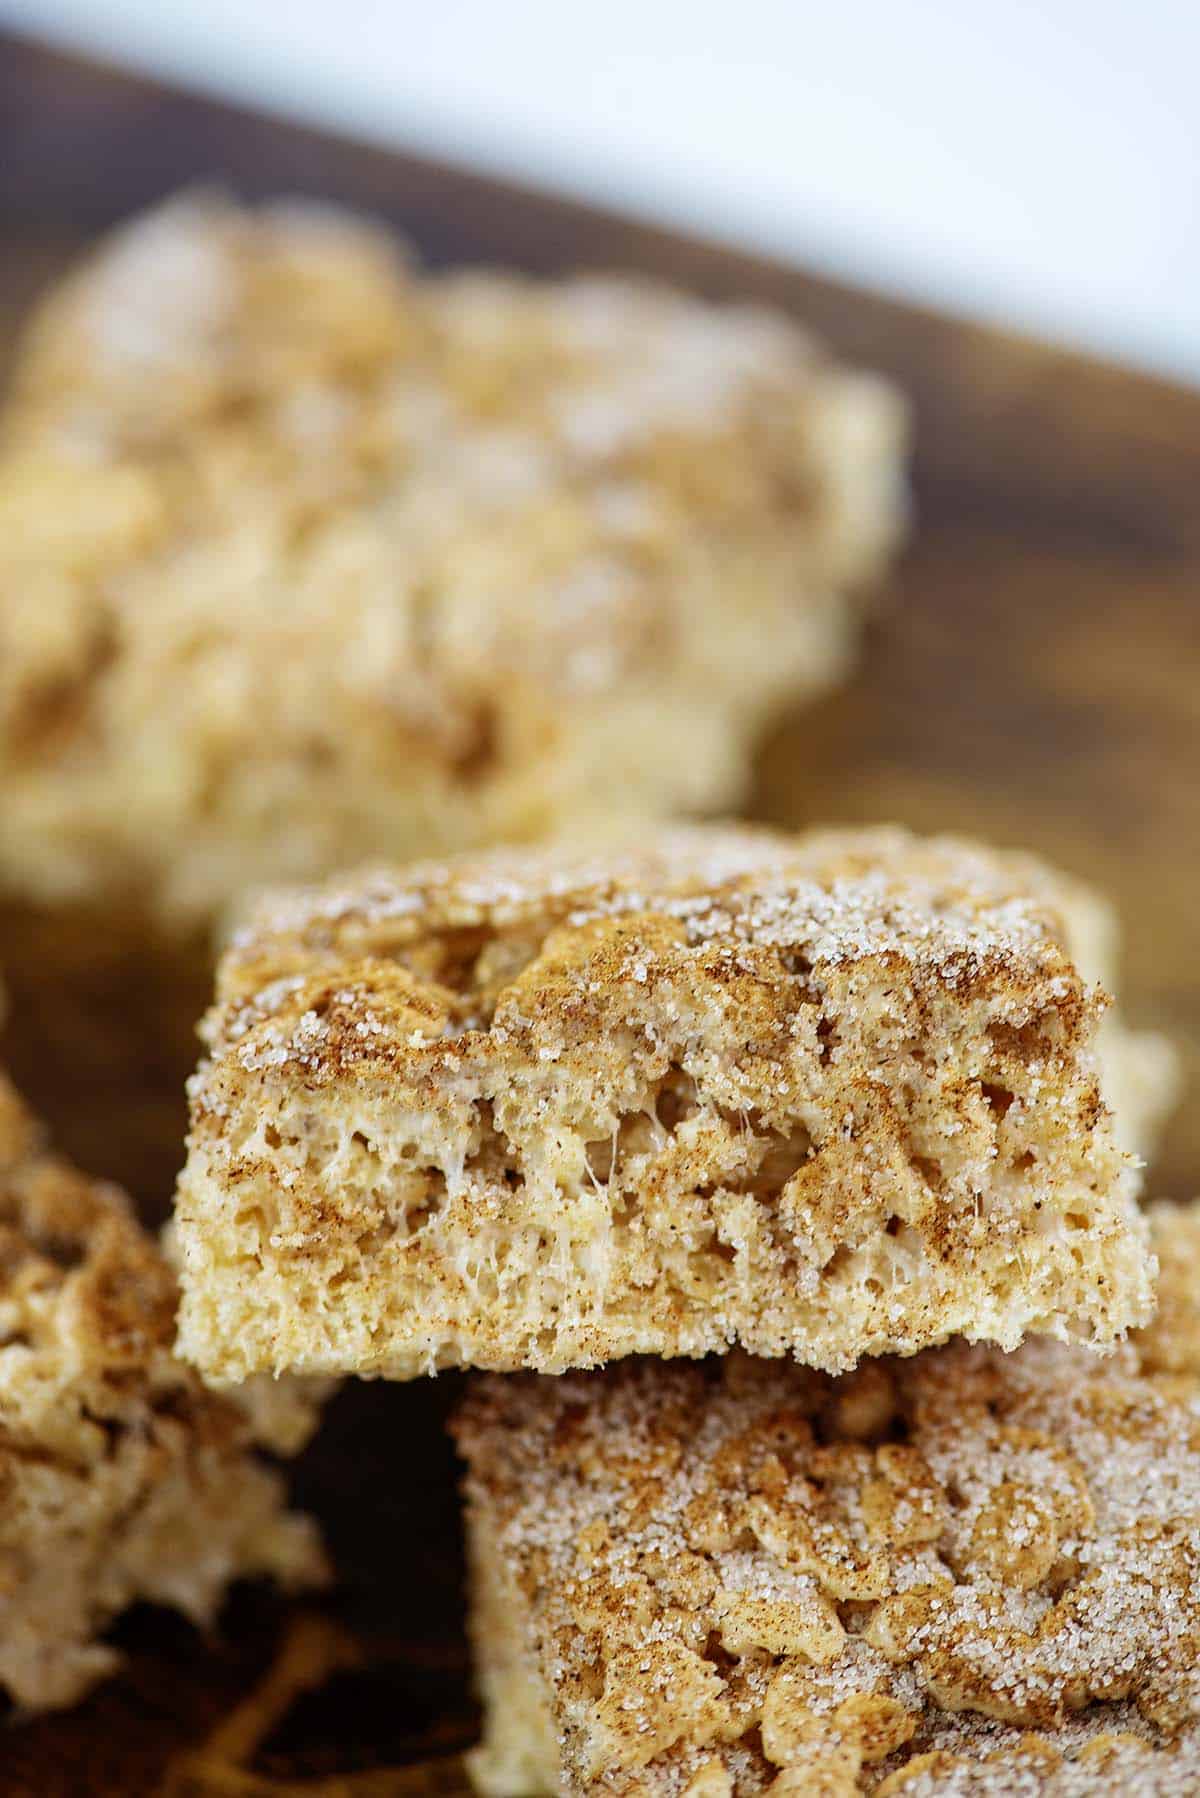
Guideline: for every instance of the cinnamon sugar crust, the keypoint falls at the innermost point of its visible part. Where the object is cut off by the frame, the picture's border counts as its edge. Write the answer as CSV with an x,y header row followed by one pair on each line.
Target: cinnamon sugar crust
x,y
122,1478
967,1573
827,1096
314,556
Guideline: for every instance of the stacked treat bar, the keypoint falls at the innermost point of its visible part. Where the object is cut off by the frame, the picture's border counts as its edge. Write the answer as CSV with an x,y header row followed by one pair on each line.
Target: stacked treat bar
x,y
965,1573
831,1101
784,1190
823,1097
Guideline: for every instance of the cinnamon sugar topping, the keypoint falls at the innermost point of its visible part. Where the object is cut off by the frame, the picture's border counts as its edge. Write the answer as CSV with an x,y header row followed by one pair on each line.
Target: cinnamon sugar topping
x,y
991,1586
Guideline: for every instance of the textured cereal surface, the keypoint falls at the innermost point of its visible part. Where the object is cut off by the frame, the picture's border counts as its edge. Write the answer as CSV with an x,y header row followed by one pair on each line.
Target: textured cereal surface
x,y
121,1478
826,1096
306,556
966,1573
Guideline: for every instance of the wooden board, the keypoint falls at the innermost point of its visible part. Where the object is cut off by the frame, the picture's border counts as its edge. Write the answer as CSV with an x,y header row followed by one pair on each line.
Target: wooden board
x,y
1034,677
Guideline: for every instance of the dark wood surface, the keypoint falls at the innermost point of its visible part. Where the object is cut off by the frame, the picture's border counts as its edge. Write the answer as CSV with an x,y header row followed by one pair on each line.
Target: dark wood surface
x,y
1034,677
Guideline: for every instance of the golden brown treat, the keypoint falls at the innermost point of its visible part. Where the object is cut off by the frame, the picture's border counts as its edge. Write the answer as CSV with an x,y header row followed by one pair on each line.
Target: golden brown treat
x,y
825,1096
122,1478
968,1573
314,557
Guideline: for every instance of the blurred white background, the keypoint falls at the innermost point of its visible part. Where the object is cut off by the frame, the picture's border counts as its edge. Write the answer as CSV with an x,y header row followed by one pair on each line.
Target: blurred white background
x,y
1036,162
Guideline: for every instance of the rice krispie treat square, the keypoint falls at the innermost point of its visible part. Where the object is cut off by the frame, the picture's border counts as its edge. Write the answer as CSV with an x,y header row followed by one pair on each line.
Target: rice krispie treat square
x,y
969,1573
305,555
828,1097
122,1478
